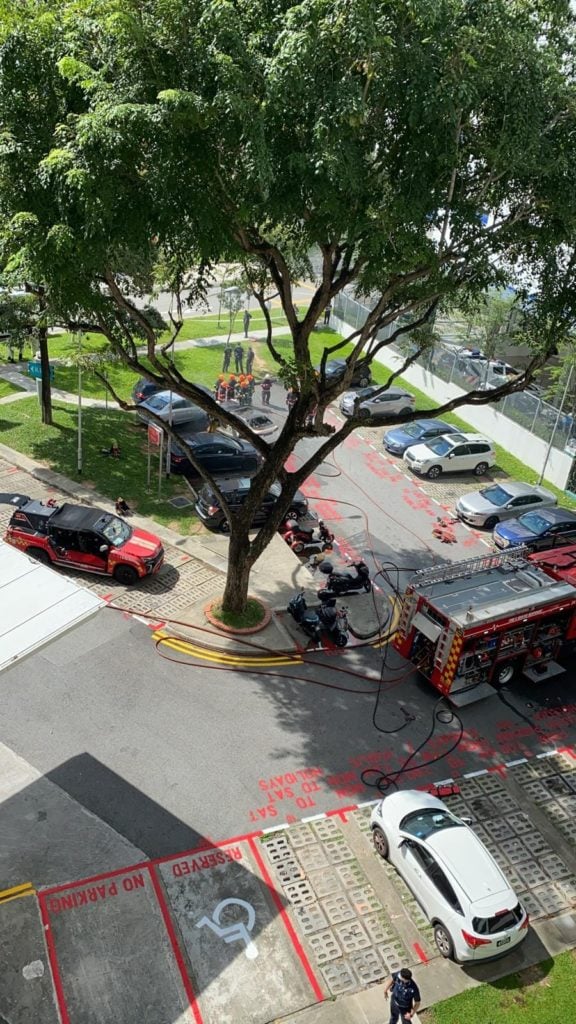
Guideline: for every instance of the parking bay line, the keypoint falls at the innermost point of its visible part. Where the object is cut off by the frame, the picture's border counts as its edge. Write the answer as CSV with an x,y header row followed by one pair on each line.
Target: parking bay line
x,y
244,943
93,930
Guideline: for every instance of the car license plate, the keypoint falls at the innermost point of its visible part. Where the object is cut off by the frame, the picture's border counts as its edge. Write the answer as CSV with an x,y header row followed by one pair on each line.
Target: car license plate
x,y
503,942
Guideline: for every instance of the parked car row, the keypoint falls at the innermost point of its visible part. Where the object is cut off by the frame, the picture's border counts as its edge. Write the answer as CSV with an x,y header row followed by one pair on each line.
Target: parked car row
x,y
518,513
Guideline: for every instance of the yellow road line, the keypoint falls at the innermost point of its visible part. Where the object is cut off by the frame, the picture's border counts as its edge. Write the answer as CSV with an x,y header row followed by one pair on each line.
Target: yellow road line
x,y
251,661
16,892
222,657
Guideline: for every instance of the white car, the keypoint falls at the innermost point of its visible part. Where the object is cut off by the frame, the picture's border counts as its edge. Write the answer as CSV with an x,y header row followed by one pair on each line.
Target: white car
x,y
473,910
451,453
377,404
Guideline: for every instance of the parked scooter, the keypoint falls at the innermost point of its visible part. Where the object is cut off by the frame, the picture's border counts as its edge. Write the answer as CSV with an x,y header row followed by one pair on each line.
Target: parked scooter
x,y
307,535
338,582
327,619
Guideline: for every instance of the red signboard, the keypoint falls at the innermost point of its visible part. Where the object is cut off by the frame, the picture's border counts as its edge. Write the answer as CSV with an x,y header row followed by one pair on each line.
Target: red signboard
x,y
154,434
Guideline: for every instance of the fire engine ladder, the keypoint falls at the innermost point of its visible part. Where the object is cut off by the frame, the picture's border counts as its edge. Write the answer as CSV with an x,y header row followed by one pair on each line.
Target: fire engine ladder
x,y
444,646
513,559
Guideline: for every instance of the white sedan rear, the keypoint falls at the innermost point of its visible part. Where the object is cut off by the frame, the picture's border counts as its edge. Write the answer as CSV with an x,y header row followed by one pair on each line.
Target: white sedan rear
x,y
474,911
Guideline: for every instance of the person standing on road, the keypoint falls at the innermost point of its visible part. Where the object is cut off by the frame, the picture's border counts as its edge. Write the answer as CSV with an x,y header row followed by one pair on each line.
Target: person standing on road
x,y
249,360
404,996
239,358
246,321
266,386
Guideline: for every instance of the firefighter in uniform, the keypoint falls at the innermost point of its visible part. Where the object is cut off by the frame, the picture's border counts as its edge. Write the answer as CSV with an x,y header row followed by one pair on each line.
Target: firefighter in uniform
x,y
404,996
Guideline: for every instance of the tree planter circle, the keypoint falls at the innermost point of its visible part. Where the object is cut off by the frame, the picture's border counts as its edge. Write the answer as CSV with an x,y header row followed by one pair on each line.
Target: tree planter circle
x,y
238,630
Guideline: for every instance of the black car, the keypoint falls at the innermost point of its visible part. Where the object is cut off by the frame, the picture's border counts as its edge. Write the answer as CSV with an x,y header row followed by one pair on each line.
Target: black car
x,y
217,453
236,492
336,368
144,389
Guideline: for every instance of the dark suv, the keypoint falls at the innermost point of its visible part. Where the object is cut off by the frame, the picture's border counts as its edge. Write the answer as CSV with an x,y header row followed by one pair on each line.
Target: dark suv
x,y
336,368
236,491
144,389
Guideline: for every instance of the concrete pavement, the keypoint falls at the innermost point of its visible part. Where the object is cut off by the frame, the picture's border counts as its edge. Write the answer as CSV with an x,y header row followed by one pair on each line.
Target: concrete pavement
x,y
301,925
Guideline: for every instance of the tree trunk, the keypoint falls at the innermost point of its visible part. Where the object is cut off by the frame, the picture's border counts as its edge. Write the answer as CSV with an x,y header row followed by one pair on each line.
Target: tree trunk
x,y
46,390
238,575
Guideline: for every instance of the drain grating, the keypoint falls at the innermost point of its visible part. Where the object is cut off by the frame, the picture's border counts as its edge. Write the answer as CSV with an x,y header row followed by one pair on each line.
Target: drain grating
x,y
180,502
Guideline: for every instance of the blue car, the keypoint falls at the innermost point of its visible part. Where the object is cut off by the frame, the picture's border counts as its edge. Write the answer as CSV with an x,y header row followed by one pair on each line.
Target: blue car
x,y
419,431
546,528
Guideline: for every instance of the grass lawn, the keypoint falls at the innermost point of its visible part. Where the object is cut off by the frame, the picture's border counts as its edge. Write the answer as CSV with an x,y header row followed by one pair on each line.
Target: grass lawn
x,y
206,325
201,365
540,994
7,389
56,447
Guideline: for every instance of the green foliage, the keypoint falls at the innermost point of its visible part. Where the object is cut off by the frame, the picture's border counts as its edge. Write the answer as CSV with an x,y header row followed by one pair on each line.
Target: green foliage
x,y
544,992
367,137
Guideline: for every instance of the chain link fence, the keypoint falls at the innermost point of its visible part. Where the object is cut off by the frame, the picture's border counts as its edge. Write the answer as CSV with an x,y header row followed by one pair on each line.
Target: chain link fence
x,y
541,418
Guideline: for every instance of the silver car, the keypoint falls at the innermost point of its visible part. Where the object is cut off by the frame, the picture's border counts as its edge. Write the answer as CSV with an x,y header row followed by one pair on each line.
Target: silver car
x,y
502,501
383,406
173,408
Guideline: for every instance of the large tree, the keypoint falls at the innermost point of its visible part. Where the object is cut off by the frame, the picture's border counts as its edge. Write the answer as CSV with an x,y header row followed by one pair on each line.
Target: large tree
x,y
424,148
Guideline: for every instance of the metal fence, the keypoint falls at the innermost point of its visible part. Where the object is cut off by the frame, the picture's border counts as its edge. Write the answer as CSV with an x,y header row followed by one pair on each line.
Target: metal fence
x,y
541,418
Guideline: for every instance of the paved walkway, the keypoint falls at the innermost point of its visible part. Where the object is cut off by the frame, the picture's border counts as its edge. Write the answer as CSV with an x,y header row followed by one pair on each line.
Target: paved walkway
x,y
15,373
327,918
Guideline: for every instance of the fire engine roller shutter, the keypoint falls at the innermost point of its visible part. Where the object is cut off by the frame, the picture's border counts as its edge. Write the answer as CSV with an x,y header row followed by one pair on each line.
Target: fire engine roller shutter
x,y
38,604
425,625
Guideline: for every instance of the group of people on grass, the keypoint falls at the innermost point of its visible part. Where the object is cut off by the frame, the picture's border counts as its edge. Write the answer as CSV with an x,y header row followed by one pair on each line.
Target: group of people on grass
x,y
238,353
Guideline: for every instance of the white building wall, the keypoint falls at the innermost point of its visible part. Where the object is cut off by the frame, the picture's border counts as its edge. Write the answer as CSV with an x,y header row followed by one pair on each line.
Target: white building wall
x,y
485,419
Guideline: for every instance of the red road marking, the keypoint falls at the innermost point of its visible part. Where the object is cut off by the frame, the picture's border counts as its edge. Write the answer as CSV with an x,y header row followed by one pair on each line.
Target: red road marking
x,y
287,923
178,956
209,845
342,812
54,966
420,952
95,878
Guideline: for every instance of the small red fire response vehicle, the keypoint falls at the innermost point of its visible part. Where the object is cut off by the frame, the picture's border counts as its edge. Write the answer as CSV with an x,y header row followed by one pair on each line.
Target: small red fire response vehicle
x,y
472,626
84,538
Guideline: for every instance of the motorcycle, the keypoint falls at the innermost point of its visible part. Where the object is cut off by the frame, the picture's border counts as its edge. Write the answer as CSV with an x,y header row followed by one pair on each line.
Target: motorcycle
x,y
327,619
301,536
344,582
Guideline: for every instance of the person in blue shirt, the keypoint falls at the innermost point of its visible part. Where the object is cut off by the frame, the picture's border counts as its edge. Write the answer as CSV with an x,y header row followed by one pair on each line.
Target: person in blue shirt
x,y
404,996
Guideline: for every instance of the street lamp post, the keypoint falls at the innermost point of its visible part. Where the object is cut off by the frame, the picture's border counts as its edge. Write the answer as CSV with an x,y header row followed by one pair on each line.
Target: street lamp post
x,y
79,452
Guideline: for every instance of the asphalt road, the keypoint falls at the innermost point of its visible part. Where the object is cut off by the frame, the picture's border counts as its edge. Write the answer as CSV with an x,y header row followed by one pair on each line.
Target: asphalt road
x,y
171,753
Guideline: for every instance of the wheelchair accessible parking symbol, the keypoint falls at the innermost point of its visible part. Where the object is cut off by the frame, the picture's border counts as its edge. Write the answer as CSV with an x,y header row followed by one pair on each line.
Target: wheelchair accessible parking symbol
x,y
236,932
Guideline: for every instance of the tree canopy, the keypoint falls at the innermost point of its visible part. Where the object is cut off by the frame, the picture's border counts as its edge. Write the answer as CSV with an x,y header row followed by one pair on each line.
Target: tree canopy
x,y
424,148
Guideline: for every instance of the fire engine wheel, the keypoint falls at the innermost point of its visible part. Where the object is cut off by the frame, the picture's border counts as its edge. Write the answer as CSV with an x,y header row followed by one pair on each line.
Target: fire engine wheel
x,y
380,842
505,673
481,469
39,556
434,472
443,941
126,574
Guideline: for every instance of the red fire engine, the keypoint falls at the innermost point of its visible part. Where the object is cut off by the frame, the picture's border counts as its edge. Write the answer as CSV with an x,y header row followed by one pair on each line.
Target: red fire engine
x,y
473,625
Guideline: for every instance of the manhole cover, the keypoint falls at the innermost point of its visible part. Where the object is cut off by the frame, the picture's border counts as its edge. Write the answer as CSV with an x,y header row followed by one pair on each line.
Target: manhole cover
x,y
180,502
